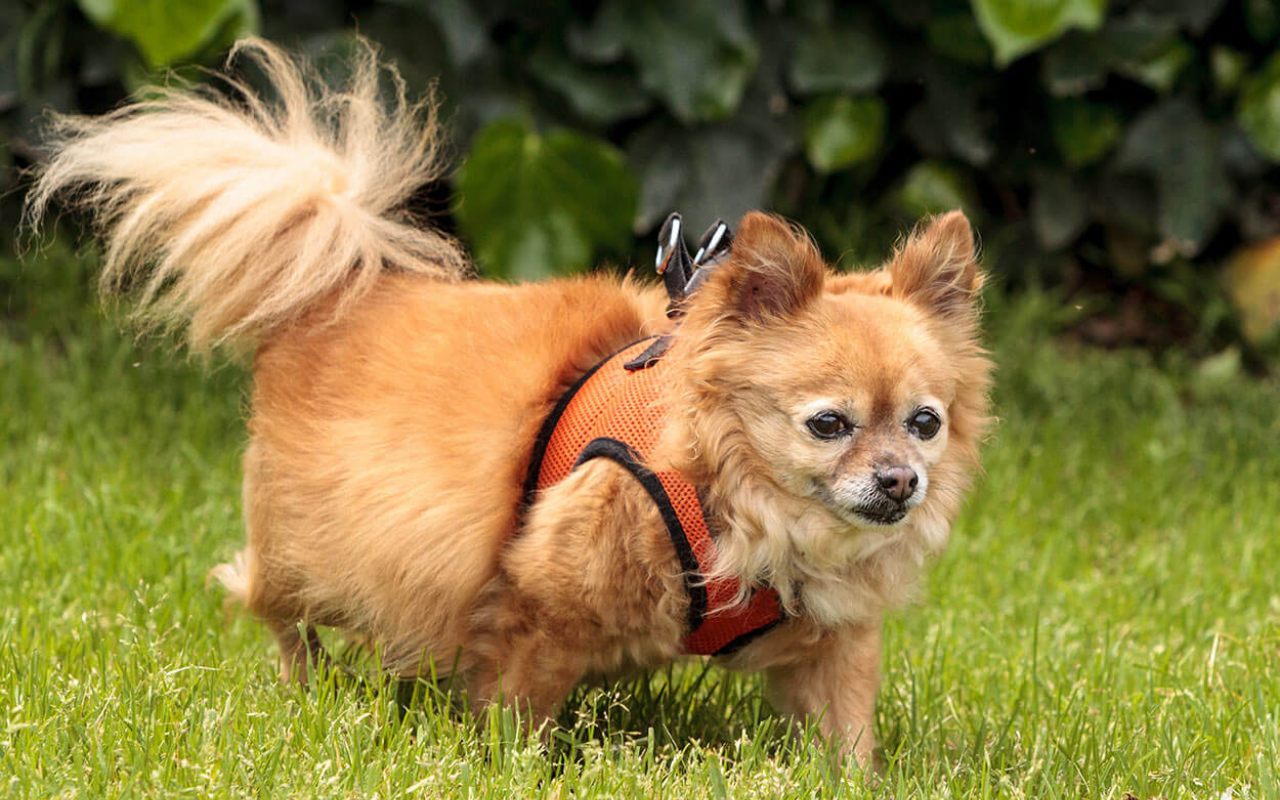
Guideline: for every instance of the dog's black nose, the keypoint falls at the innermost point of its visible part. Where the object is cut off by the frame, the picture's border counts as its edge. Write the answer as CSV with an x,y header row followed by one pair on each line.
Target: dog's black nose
x,y
899,482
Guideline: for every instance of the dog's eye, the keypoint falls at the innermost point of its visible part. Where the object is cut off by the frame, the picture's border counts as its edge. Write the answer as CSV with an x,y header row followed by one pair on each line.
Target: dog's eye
x,y
828,425
925,423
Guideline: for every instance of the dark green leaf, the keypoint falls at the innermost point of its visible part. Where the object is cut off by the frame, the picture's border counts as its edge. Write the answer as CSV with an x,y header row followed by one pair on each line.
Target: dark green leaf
x,y
696,55
601,95
1147,49
1018,27
1125,201
842,131
1259,108
949,121
534,205
910,13
1084,131
1262,18
101,59
465,33
12,19
166,32
1194,15
716,171
837,58
956,35
810,11
1228,66
1160,68
602,42
1137,37
1245,162
1141,47
931,187
1181,152
1059,210
1076,64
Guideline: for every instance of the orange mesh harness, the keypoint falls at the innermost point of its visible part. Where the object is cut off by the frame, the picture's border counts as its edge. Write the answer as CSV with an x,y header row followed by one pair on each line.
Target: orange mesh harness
x,y
614,411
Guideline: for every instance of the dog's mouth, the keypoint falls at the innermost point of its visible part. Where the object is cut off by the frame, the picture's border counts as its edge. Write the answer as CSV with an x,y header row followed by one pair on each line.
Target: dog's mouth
x,y
877,513
880,514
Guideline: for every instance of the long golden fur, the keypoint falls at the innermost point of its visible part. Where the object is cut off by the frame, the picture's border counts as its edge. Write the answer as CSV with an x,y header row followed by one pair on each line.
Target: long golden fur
x,y
395,404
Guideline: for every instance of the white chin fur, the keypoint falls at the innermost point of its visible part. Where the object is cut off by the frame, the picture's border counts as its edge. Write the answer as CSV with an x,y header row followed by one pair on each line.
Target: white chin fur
x,y
834,571
882,571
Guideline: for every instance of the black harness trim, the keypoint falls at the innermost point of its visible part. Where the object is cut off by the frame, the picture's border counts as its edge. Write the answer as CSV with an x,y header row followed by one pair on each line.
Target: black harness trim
x,y
629,459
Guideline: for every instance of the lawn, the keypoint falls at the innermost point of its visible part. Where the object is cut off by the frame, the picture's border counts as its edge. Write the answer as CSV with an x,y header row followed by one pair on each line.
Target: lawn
x,y
1106,621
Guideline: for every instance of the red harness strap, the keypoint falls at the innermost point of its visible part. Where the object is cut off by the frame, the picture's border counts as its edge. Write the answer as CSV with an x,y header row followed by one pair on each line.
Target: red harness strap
x,y
615,411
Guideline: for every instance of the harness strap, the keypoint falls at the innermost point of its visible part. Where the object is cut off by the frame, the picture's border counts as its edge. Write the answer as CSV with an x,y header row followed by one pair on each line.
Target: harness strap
x,y
614,412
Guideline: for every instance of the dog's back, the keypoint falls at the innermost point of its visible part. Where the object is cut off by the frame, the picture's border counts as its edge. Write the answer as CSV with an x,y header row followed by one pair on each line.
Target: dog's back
x,y
388,451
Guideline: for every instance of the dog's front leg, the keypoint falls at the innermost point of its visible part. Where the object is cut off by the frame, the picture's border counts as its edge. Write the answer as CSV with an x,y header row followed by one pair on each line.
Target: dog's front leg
x,y
585,583
531,632
835,683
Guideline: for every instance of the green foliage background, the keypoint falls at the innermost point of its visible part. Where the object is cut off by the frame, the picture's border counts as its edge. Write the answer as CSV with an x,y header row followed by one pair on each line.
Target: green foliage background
x,y
1120,151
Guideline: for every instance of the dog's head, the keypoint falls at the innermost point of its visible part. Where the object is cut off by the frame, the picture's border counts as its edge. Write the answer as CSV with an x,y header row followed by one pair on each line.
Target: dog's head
x,y
862,395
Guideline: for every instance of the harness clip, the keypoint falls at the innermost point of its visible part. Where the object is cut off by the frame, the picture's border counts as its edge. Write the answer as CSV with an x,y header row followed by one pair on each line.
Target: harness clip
x,y
682,274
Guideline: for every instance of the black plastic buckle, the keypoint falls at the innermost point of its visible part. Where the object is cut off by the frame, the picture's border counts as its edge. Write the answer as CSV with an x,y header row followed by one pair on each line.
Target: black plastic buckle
x,y
682,274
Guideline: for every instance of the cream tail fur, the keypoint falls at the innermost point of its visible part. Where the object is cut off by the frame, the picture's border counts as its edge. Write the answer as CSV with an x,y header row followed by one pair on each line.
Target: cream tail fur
x,y
234,576
234,213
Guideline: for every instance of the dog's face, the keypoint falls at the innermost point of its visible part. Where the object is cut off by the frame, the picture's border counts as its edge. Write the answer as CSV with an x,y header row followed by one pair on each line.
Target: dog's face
x,y
856,414
864,394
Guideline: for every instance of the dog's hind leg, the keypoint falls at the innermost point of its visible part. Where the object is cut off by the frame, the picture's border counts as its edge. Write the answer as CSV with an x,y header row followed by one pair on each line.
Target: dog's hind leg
x,y
300,650
300,646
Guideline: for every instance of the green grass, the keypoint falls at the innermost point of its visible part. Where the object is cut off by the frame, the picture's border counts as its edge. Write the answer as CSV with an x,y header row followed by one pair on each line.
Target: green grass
x,y
1105,622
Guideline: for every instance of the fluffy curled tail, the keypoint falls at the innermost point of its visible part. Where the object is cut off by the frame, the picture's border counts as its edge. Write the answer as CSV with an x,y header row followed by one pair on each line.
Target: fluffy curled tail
x,y
236,212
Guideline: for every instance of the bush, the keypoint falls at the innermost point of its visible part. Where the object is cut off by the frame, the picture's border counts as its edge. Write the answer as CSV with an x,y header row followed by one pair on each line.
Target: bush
x,y
1122,152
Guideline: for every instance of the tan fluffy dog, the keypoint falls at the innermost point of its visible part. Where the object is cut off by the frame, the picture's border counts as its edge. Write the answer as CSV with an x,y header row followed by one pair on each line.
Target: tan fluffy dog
x,y
395,405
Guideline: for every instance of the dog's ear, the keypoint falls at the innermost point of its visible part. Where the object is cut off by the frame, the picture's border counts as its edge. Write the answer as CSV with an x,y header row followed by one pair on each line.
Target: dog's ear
x,y
774,271
937,267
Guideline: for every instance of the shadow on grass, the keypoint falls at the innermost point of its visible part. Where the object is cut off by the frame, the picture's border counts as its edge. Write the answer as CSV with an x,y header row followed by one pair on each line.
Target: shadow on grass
x,y
664,712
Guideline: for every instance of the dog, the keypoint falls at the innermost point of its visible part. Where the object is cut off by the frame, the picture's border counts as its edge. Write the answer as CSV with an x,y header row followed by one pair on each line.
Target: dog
x,y
829,424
